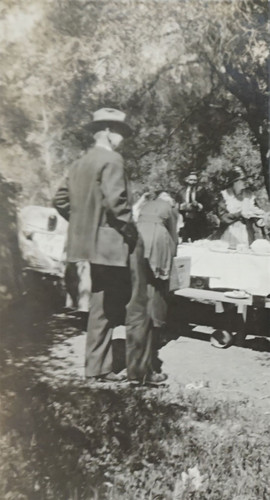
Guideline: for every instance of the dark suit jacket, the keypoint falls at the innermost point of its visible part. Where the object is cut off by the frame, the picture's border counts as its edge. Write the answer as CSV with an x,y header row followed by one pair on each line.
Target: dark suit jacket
x,y
189,212
96,199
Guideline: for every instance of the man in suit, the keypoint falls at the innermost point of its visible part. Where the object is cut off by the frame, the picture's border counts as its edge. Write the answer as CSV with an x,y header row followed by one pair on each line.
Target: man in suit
x,y
191,210
96,198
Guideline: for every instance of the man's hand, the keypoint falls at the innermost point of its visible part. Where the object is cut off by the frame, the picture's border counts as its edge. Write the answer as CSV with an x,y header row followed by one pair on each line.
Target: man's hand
x,y
61,200
130,234
186,207
197,205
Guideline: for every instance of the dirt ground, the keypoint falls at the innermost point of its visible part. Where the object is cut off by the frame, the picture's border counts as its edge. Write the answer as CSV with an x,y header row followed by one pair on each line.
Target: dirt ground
x,y
212,418
191,362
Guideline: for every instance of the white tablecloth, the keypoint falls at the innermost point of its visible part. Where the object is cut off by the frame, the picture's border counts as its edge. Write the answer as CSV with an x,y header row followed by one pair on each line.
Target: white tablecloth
x,y
229,269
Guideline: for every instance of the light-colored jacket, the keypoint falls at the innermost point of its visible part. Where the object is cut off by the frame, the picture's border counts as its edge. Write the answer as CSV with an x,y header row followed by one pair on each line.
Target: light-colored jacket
x,y
157,225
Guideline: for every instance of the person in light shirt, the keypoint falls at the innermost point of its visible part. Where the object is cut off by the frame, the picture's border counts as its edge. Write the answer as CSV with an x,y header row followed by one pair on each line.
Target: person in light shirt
x,y
241,220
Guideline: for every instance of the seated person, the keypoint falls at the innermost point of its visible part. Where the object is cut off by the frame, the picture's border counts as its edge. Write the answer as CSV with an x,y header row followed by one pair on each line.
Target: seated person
x,y
241,220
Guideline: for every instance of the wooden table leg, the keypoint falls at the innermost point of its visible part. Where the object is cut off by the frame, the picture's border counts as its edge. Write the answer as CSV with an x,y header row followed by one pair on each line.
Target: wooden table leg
x,y
241,326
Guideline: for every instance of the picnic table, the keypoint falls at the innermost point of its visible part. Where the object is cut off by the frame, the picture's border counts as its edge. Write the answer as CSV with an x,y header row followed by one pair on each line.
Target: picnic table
x,y
229,269
214,296
224,271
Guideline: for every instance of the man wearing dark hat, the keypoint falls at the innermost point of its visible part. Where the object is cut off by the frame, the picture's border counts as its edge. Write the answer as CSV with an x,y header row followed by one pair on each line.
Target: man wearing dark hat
x,y
192,210
240,217
96,199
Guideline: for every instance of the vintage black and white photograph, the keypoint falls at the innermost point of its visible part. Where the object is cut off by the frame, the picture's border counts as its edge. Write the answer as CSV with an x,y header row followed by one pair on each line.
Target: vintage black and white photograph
x,y
135,250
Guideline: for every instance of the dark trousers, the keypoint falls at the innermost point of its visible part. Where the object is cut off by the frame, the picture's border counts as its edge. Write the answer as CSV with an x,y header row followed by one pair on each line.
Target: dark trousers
x,y
112,289
192,230
138,320
158,291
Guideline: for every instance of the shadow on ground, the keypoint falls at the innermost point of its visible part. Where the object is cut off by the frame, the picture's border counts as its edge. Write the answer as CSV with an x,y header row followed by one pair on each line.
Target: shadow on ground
x,y
184,315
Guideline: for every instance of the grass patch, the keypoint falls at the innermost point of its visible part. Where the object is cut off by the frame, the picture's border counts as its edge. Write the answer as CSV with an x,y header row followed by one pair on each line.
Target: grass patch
x,y
70,443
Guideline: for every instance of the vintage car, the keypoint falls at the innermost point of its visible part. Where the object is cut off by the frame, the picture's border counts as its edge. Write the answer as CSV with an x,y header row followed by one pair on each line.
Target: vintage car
x,y
42,235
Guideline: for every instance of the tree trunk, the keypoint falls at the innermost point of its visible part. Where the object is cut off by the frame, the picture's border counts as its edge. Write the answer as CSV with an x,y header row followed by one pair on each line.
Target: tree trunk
x,y
10,262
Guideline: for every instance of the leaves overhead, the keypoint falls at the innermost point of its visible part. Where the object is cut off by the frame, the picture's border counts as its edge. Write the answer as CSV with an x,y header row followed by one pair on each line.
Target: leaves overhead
x,y
187,74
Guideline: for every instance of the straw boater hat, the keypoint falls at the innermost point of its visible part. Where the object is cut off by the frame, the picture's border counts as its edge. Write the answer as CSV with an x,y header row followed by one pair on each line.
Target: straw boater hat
x,y
110,118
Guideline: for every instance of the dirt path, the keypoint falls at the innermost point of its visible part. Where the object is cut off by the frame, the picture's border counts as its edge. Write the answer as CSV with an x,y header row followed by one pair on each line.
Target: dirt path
x,y
233,374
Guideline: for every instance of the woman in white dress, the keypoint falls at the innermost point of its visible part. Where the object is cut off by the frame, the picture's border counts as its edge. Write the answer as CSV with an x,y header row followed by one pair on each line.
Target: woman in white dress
x,y
240,217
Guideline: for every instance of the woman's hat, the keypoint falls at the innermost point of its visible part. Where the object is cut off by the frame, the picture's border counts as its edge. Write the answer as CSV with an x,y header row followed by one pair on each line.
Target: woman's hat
x,y
236,174
110,118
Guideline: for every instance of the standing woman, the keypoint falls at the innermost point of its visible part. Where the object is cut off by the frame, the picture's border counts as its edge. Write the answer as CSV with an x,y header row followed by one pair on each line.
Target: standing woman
x,y
157,224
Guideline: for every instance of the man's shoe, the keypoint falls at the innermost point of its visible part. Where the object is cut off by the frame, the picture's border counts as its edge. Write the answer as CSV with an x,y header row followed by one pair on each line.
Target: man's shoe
x,y
123,374
135,382
111,377
152,380
156,379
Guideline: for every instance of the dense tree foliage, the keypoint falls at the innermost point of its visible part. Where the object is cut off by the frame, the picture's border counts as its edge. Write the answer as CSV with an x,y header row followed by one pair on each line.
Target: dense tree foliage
x,y
191,75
